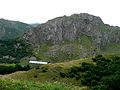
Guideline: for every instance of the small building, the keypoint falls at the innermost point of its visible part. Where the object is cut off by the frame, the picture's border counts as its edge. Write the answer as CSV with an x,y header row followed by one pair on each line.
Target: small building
x,y
37,62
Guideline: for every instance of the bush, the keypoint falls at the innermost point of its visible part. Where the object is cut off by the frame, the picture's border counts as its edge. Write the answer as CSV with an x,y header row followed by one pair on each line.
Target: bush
x,y
104,74
63,75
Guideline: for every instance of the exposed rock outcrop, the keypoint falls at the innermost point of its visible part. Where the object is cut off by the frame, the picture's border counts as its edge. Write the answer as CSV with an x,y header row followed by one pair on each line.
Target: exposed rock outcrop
x,y
76,36
69,28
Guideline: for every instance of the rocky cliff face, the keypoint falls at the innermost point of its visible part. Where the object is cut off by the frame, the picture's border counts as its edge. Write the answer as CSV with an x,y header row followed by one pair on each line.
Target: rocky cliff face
x,y
69,28
89,31
12,29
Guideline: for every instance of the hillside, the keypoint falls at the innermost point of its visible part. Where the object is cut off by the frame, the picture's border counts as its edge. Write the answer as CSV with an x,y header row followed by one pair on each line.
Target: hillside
x,y
12,49
50,73
12,29
73,37
97,73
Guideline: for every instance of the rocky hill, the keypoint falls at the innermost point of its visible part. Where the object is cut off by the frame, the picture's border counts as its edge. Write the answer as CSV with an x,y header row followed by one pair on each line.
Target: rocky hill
x,y
12,29
78,35
73,27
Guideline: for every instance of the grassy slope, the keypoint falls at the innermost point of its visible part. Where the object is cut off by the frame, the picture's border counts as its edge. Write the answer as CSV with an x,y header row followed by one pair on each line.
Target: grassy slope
x,y
49,73
111,49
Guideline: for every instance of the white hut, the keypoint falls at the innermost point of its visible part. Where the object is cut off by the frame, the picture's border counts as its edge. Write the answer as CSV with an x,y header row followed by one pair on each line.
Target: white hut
x,y
37,62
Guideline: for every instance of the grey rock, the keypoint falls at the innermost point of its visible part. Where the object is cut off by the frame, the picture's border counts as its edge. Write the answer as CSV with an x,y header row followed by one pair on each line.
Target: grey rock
x,y
70,28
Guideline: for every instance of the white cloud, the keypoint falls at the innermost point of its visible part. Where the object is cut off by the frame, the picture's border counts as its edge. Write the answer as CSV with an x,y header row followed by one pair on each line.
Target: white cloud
x,y
32,11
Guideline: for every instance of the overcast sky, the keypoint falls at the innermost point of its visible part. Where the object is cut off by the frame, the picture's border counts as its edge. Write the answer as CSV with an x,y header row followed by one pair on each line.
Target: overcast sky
x,y
39,11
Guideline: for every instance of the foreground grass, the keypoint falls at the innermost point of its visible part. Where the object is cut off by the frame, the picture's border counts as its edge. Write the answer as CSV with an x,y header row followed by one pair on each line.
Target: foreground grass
x,y
45,77
29,85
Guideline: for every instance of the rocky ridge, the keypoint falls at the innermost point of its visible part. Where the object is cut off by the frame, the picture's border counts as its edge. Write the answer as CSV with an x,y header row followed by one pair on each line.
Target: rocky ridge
x,y
89,31
71,28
